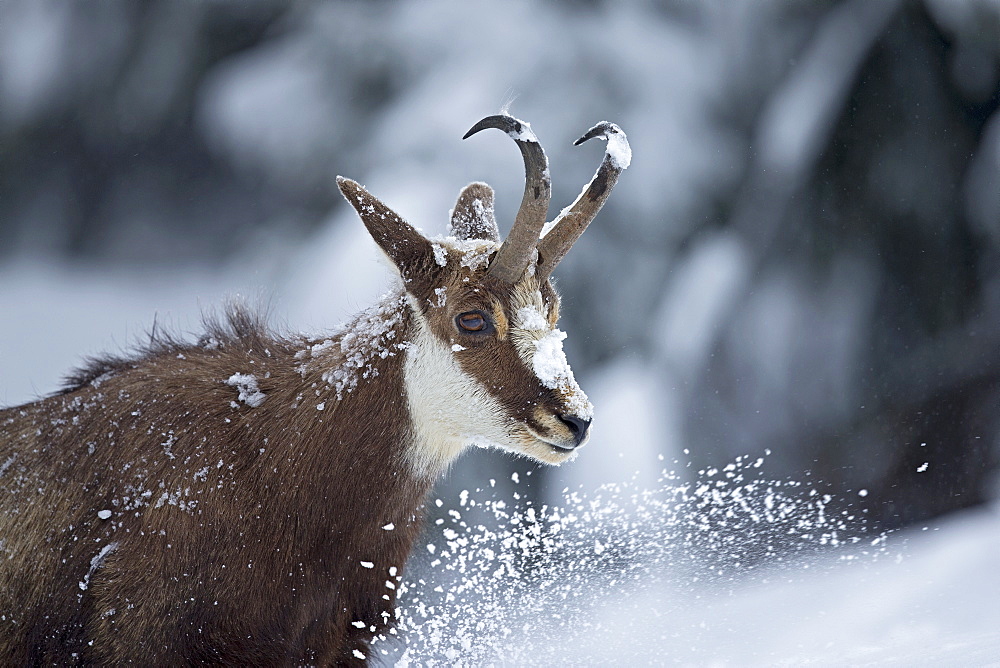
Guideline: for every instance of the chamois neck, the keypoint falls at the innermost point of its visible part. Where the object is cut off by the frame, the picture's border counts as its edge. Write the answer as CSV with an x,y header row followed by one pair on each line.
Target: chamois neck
x,y
389,370
357,353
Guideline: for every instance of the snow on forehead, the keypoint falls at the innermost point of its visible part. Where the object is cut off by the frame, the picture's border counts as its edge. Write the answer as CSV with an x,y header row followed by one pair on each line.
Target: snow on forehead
x,y
474,253
532,318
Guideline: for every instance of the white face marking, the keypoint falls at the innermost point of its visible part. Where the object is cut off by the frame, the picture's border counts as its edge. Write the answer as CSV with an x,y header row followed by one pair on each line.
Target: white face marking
x,y
449,408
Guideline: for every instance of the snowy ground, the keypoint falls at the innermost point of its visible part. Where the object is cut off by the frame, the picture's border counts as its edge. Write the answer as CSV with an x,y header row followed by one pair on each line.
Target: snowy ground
x,y
654,583
933,604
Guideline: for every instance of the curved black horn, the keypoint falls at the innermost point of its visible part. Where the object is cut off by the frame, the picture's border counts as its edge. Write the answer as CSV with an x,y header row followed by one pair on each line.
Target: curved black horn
x,y
514,255
563,232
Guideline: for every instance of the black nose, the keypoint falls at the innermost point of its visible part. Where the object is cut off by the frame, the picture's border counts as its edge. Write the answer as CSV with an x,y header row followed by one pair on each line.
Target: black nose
x,y
577,426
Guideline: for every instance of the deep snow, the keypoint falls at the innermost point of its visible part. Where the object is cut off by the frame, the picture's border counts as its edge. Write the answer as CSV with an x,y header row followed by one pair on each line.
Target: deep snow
x,y
728,571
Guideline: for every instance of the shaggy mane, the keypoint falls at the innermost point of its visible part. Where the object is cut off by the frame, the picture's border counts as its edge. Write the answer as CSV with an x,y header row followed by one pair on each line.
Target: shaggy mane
x,y
239,326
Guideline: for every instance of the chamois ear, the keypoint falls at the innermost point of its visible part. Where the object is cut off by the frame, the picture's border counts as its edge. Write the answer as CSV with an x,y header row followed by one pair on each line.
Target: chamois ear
x,y
473,217
408,249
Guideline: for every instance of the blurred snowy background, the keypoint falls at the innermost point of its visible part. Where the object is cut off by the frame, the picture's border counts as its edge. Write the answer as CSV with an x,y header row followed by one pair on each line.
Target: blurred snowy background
x,y
803,259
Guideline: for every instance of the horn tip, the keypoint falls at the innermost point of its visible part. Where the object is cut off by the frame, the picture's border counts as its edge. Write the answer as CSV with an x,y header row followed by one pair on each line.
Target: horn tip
x,y
515,128
604,129
618,149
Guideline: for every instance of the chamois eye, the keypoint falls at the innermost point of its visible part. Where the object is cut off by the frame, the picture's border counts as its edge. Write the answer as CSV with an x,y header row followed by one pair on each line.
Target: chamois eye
x,y
473,321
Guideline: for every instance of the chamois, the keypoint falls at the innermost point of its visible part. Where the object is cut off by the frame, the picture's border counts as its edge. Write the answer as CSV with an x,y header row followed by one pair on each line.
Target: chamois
x,y
251,499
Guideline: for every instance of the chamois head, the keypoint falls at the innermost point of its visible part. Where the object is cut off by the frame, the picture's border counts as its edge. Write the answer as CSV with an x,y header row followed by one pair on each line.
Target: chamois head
x,y
484,362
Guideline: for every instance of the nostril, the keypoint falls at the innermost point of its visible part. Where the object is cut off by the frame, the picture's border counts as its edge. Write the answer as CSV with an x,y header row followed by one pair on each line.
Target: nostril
x,y
577,426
